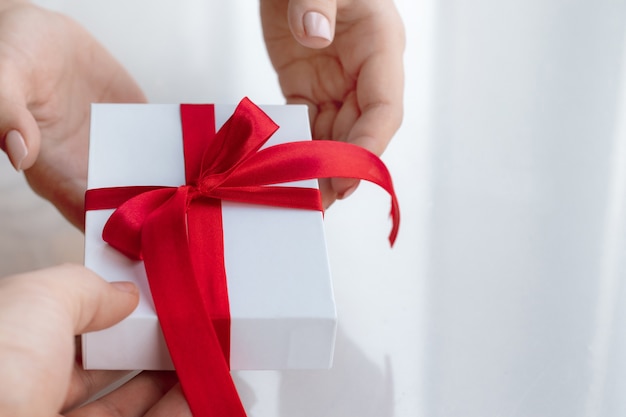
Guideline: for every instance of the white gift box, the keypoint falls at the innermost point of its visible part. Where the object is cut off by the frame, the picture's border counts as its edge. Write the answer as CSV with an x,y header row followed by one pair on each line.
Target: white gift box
x,y
281,301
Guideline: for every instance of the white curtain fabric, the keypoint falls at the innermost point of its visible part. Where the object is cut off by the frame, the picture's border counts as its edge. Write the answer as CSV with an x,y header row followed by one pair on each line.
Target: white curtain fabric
x,y
526,245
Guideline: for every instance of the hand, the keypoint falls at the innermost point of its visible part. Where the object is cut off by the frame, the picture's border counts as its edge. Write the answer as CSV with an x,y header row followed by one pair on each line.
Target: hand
x,y
343,58
40,313
51,69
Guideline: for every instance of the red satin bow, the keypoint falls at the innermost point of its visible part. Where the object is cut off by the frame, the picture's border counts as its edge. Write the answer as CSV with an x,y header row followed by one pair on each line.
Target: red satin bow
x,y
178,231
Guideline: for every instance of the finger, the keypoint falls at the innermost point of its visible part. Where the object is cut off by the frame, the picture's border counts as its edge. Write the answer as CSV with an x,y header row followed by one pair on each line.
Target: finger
x,y
312,22
85,384
20,137
347,116
379,96
380,88
86,301
341,120
93,303
70,294
373,130
132,399
172,404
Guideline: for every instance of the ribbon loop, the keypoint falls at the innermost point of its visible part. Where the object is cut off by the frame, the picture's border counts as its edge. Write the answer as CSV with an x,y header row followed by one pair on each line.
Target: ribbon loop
x,y
124,228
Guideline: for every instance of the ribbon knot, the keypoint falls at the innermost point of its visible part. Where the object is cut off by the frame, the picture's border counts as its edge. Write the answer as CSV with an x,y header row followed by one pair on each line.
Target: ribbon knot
x,y
207,184
178,231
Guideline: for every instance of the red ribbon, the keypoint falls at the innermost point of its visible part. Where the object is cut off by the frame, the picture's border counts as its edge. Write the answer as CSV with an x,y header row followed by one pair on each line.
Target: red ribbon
x,y
178,231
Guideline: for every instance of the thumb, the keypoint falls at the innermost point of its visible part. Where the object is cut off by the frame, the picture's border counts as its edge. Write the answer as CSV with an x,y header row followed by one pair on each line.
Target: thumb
x,y
93,303
69,295
312,22
19,134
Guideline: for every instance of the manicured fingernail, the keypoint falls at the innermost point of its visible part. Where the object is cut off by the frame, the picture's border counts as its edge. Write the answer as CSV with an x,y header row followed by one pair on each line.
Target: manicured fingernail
x,y
16,149
316,25
124,286
347,193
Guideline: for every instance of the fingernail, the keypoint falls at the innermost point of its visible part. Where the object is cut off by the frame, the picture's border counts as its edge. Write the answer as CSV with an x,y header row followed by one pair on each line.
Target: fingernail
x,y
125,286
16,149
316,25
347,193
